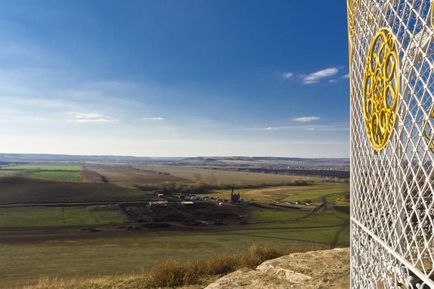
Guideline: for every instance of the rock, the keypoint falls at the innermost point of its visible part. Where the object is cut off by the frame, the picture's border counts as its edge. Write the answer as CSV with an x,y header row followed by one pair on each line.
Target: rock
x,y
311,270
248,278
284,274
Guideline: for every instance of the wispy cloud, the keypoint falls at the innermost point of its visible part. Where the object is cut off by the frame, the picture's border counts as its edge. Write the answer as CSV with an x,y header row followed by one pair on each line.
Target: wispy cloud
x,y
317,76
346,75
305,119
92,117
335,127
288,75
153,118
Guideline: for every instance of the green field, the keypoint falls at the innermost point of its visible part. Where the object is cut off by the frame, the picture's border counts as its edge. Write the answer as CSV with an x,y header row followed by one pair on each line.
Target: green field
x,y
60,173
43,168
42,217
135,252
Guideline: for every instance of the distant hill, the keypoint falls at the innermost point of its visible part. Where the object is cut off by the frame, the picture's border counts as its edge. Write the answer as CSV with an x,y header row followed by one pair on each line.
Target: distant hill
x,y
70,158
328,167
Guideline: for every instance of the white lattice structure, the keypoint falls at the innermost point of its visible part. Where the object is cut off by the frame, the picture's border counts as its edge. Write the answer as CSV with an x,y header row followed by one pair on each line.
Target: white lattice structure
x,y
392,143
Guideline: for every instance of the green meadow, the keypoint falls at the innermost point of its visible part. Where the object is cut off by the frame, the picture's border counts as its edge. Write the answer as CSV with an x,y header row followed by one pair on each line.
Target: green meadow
x,y
60,173
43,167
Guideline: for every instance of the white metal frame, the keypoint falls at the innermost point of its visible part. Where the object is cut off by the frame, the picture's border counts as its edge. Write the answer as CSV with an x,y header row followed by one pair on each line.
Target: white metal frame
x,y
392,202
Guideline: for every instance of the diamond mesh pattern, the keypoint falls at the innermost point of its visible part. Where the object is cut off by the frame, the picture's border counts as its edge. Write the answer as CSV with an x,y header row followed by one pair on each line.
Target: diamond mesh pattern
x,y
392,203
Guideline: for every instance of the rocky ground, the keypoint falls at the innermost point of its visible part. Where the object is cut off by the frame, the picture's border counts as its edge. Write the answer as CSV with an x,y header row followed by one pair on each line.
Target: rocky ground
x,y
312,270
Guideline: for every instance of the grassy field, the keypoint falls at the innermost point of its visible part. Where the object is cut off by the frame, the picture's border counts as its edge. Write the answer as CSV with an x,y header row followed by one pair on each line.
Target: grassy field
x,y
47,217
60,176
129,176
227,177
314,193
60,173
43,168
135,251
5,173
176,273
41,225
37,191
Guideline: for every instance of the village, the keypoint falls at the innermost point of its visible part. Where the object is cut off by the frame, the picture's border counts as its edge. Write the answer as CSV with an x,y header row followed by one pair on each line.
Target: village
x,y
234,198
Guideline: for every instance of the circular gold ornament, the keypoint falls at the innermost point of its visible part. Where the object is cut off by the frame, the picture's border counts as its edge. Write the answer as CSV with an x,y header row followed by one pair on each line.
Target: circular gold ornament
x,y
381,88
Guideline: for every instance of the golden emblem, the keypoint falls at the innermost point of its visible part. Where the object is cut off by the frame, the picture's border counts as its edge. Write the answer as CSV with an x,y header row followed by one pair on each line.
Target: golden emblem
x,y
381,88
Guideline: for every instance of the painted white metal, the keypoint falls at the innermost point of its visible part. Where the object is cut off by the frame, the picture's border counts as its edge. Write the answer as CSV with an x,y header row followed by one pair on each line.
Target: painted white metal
x,y
392,190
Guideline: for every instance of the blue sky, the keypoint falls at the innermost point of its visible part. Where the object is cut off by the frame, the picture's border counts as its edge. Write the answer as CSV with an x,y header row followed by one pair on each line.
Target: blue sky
x,y
174,78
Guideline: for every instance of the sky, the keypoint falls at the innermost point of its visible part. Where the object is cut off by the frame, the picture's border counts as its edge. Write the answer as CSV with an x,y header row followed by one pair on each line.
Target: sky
x,y
174,77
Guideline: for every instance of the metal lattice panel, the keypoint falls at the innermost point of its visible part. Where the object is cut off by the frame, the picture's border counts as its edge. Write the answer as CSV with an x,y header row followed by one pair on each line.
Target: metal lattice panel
x,y
392,143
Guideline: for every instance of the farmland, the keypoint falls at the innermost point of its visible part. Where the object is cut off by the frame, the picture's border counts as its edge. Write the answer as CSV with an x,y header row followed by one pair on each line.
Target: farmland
x,y
19,190
308,193
60,173
94,219
226,177
45,217
43,168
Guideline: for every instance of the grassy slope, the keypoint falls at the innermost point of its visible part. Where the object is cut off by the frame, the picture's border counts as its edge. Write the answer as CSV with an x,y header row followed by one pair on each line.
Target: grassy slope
x,y
134,252
177,273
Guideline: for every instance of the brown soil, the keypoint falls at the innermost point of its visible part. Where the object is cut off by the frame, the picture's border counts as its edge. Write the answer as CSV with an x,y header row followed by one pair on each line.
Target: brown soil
x,y
198,214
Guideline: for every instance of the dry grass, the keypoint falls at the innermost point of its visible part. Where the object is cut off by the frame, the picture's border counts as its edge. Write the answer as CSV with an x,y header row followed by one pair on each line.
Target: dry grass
x,y
173,273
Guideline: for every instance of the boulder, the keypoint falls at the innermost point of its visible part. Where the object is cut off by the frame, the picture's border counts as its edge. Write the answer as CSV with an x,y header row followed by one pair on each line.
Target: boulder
x,y
311,270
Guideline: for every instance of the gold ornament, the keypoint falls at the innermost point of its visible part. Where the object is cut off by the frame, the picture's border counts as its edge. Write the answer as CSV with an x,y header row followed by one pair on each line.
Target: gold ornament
x,y
381,88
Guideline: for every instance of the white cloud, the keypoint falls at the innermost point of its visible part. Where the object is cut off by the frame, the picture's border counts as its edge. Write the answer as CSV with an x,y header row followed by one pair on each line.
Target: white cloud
x,y
288,75
153,118
346,75
315,77
332,80
91,117
335,127
306,118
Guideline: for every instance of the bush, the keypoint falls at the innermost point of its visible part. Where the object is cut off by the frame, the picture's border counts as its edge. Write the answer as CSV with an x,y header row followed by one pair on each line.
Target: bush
x,y
174,273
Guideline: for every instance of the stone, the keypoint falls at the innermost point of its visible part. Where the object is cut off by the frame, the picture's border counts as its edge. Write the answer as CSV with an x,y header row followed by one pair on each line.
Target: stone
x,y
311,270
